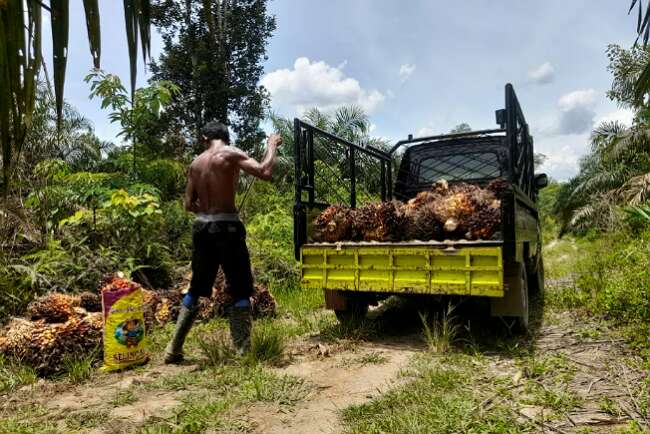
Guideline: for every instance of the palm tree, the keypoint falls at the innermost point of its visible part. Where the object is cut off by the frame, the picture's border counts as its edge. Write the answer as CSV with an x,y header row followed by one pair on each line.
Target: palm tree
x,y
642,85
615,173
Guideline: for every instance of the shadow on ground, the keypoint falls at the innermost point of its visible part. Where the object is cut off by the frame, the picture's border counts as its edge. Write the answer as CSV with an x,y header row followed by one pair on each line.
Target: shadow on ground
x,y
398,322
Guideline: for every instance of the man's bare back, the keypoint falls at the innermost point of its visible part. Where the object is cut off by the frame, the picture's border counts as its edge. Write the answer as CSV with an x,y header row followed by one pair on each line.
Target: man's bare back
x,y
213,175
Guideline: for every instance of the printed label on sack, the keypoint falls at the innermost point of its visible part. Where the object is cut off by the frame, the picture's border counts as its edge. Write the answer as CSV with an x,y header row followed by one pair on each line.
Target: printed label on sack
x,y
124,328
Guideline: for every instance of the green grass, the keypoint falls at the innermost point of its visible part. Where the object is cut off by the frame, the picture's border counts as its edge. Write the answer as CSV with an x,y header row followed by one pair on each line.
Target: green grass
x,y
14,375
27,419
440,331
609,276
213,394
267,343
123,397
444,396
79,368
86,419
216,348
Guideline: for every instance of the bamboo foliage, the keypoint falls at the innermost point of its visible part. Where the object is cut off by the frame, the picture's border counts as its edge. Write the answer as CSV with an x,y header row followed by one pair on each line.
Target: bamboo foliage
x,y
21,59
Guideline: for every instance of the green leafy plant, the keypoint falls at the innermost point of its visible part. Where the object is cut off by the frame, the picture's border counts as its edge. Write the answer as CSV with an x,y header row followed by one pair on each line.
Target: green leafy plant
x,y
138,115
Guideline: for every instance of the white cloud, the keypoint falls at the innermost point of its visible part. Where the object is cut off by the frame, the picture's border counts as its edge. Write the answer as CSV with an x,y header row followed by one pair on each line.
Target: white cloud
x,y
563,154
317,84
405,71
624,116
426,131
543,74
577,112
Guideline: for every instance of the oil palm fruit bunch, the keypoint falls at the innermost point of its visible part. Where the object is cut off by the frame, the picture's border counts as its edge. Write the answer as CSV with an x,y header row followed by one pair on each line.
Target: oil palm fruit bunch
x,y
485,222
264,304
53,307
424,224
497,186
378,221
445,211
333,224
90,301
44,345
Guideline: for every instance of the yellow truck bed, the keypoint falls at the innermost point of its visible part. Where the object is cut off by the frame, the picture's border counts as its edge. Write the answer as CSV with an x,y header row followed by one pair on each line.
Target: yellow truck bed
x,y
455,268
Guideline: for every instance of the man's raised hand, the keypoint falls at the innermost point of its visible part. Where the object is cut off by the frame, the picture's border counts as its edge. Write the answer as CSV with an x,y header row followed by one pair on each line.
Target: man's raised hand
x,y
275,140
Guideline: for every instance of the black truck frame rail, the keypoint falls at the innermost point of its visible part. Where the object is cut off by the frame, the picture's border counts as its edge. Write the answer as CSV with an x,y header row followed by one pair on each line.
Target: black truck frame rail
x,y
308,140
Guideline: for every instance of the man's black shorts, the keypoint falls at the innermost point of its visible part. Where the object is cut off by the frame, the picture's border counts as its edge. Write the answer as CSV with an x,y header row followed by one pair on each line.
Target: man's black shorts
x,y
220,244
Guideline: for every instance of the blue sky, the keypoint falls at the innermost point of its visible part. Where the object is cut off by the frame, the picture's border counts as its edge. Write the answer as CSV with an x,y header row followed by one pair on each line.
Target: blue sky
x,y
420,67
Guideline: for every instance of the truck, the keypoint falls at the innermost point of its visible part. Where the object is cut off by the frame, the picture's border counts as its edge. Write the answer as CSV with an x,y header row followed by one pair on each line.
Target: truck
x,y
506,269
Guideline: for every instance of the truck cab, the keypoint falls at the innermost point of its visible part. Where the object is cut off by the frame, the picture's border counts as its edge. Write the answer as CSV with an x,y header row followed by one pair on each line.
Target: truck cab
x,y
504,269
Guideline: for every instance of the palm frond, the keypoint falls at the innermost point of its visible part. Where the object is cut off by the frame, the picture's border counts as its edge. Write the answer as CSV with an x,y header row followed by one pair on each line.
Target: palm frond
x,y
639,211
60,25
633,141
600,213
606,134
131,21
643,33
91,8
636,190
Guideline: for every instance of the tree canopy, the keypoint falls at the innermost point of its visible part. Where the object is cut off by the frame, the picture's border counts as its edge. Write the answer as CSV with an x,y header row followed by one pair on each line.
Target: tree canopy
x,y
219,80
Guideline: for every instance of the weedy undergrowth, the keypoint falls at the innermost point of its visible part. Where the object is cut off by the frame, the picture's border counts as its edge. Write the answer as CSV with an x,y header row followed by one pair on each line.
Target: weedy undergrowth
x,y
267,344
78,368
440,332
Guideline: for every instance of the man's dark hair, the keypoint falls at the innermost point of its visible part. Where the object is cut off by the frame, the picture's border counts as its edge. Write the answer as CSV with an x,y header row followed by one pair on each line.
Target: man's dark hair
x,y
214,130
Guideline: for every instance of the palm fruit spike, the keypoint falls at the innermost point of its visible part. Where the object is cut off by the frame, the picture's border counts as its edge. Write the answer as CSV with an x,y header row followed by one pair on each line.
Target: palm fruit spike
x,y
333,224
53,307
425,225
497,186
90,301
264,304
440,187
485,222
378,221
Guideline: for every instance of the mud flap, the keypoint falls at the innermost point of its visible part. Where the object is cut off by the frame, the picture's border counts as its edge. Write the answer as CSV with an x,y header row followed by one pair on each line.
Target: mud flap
x,y
513,303
335,300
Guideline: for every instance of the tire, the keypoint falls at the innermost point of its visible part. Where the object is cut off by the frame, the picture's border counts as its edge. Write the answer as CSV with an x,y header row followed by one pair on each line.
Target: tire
x,y
522,320
355,312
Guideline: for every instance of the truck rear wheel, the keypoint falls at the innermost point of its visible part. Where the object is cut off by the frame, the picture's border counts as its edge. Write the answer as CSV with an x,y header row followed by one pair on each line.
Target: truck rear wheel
x,y
522,319
355,311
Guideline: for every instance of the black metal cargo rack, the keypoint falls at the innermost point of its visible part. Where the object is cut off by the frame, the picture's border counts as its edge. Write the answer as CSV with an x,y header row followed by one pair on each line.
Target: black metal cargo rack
x,y
332,170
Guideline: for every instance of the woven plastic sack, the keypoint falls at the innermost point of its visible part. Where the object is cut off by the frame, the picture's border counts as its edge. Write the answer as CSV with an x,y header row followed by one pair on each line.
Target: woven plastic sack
x,y
124,326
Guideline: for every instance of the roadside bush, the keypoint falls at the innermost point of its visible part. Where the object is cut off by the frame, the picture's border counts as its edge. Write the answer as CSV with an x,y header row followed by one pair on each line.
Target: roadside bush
x,y
62,266
616,272
270,239
168,176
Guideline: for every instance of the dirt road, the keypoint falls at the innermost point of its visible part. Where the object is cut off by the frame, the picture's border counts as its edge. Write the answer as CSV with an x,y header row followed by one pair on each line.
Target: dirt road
x,y
571,374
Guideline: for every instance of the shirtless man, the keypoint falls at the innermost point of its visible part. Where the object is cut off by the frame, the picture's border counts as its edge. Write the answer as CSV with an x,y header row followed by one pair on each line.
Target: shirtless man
x,y
218,237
